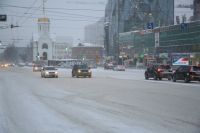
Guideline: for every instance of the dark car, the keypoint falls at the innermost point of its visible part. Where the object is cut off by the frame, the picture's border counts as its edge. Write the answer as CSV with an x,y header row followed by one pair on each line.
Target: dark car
x,y
37,67
187,73
81,71
158,72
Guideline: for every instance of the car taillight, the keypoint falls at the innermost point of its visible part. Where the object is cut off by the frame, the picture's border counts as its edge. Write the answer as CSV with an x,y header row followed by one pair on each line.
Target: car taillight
x,y
191,69
159,70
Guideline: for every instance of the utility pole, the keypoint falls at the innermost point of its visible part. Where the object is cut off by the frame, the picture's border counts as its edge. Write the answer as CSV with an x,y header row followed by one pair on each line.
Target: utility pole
x,y
43,7
117,35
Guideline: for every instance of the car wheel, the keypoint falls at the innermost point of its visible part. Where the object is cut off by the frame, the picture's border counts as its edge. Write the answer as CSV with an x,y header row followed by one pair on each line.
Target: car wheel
x,y
90,76
77,76
169,78
160,78
174,78
146,76
186,79
41,76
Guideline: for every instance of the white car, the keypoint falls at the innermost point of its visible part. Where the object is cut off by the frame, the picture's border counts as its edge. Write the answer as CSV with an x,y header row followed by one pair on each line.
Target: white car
x,y
49,71
119,68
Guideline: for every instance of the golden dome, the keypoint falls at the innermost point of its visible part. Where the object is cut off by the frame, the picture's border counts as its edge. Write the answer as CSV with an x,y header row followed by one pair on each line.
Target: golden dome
x,y
43,20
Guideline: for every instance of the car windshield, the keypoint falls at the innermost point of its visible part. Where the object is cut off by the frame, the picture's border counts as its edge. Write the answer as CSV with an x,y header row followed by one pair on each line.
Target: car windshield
x,y
49,68
164,67
100,66
82,67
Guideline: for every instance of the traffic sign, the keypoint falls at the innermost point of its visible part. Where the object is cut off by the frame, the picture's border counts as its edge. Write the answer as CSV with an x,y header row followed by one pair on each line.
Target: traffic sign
x,y
150,25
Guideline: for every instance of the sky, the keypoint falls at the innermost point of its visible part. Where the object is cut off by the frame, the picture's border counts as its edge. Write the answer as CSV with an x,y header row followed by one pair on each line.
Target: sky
x,y
68,18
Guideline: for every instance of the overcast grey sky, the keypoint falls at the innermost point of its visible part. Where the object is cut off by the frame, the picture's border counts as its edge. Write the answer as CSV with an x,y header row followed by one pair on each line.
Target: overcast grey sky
x,y
68,18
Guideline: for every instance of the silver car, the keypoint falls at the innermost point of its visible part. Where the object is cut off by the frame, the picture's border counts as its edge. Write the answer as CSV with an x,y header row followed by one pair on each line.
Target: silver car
x,y
49,71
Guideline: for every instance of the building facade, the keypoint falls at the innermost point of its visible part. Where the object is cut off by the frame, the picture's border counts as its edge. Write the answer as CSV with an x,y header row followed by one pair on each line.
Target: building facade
x,y
94,53
127,15
62,47
94,33
43,47
196,9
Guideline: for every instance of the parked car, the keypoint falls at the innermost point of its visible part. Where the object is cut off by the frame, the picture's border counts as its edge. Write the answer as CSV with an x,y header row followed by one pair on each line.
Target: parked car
x,y
37,67
81,71
187,73
49,71
119,68
158,72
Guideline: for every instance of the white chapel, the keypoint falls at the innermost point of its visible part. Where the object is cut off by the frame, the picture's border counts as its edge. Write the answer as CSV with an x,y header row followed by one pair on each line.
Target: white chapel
x,y
43,47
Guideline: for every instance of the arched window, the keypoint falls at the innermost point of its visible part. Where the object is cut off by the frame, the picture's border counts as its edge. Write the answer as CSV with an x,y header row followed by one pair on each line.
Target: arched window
x,y
44,46
44,55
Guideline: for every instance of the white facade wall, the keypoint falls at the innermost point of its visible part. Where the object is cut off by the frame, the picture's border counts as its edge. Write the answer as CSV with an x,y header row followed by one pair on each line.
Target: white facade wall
x,y
44,45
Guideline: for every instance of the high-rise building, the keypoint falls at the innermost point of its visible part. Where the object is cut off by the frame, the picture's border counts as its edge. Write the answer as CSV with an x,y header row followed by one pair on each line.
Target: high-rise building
x,y
94,33
128,15
196,9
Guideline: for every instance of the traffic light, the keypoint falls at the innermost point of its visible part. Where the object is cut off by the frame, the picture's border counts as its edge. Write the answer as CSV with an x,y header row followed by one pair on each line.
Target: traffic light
x,y
3,17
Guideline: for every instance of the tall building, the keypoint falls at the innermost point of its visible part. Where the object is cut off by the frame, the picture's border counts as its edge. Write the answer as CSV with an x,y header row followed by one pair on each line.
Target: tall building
x,y
128,15
94,33
196,9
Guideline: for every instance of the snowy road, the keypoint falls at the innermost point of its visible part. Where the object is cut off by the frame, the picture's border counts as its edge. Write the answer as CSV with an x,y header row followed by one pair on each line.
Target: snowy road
x,y
109,102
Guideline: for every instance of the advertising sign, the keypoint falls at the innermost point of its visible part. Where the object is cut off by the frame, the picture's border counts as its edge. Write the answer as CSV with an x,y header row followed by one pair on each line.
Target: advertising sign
x,y
180,59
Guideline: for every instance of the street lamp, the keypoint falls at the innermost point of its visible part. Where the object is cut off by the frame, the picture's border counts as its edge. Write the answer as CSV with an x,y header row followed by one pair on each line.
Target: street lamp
x,y
106,41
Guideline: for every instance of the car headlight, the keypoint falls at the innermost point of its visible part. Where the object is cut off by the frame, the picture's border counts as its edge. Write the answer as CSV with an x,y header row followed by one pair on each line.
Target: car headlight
x,y
90,71
46,72
56,73
79,71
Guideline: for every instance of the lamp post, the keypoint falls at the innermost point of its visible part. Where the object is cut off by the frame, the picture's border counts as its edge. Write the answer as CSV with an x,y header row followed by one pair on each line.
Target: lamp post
x,y
106,41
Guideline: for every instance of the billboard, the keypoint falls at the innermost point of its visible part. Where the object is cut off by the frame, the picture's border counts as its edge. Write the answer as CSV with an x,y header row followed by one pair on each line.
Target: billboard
x,y
180,59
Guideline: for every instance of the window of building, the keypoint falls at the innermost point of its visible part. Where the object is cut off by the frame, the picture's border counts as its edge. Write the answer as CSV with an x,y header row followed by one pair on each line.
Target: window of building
x,y
44,46
44,55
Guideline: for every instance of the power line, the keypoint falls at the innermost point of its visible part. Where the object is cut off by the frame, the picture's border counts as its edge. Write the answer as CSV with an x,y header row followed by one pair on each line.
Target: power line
x,y
53,8
28,17
28,9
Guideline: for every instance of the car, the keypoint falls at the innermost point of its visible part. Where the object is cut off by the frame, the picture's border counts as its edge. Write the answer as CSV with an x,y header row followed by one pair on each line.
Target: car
x,y
81,71
108,65
119,68
37,68
187,73
49,71
158,72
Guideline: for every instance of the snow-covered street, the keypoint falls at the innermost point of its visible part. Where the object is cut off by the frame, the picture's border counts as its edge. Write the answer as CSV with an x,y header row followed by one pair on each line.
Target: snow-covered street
x,y
109,102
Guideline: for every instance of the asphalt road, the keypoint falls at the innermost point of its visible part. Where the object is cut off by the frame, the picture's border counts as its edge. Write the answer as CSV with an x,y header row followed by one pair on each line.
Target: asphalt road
x,y
109,102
